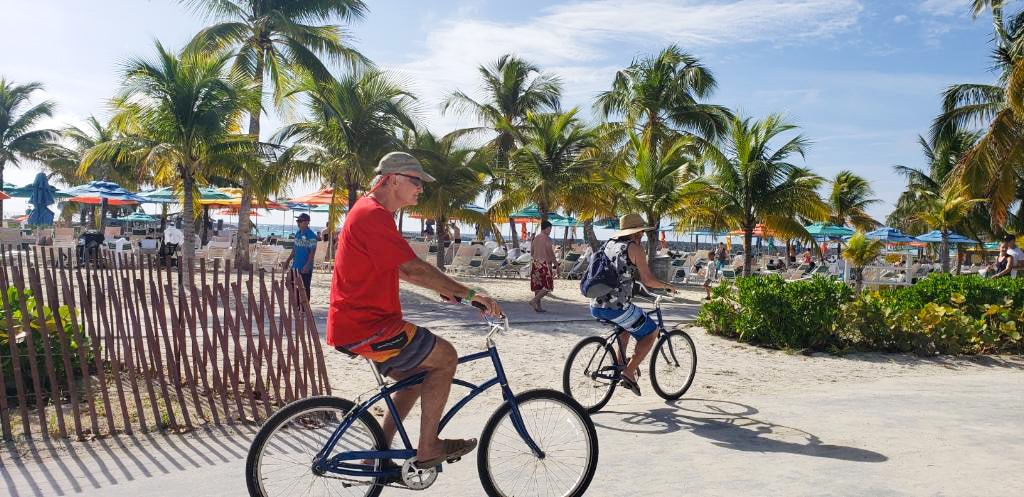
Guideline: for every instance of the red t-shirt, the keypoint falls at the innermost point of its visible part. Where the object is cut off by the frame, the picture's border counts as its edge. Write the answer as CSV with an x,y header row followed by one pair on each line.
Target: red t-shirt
x,y
364,289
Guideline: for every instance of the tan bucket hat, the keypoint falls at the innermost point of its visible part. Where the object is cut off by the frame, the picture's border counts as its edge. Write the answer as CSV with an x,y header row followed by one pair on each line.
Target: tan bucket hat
x,y
629,224
401,163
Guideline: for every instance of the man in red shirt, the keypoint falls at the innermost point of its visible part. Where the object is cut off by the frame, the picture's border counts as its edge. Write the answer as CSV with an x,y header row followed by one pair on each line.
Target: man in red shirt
x,y
365,315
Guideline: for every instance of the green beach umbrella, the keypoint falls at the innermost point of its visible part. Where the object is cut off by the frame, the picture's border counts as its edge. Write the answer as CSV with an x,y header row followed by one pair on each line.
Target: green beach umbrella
x,y
828,230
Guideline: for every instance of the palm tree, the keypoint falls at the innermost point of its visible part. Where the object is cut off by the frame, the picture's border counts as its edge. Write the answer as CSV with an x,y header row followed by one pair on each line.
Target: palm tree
x,y
18,139
946,212
753,182
460,180
354,122
860,251
849,199
279,39
991,168
548,162
185,110
656,185
942,155
659,97
513,88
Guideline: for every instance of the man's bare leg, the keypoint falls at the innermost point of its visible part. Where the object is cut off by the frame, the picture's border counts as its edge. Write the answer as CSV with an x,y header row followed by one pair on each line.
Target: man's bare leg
x,y
440,366
643,347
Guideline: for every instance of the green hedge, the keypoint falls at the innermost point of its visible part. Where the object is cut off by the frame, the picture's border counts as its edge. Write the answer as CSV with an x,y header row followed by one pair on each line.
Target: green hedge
x,y
942,314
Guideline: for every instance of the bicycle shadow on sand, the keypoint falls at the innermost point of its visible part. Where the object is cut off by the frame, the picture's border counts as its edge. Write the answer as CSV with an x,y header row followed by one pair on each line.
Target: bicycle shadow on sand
x,y
732,425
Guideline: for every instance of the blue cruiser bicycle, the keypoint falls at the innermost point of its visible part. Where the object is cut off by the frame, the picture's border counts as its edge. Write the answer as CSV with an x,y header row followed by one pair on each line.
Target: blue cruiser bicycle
x,y
537,443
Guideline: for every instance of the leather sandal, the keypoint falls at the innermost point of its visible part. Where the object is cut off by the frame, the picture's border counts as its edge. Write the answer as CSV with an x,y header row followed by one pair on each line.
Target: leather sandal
x,y
453,451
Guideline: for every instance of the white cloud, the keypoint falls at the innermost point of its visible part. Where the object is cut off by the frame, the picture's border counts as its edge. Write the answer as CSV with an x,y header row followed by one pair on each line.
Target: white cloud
x,y
575,39
899,19
946,7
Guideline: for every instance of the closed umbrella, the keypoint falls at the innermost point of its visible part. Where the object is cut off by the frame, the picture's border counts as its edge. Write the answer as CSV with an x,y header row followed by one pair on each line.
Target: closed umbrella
x,y
41,199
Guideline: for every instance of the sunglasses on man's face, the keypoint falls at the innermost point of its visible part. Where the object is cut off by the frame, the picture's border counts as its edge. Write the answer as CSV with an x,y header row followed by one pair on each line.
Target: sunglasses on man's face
x,y
415,180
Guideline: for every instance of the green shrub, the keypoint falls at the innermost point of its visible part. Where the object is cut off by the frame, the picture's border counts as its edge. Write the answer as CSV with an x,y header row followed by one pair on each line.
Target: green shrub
x,y
76,351
942,314
769,311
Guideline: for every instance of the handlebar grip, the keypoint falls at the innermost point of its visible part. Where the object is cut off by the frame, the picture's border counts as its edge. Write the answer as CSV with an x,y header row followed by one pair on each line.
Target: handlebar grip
x,y
478,305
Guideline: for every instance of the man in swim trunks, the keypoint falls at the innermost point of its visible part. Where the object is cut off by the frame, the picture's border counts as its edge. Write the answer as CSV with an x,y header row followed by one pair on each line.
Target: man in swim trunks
x,y
365,315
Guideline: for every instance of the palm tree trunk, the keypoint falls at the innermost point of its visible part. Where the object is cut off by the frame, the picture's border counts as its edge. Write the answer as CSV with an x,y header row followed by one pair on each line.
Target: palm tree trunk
x,y
353,189
512,229
103,213
565,241
652,236
188,248
747,259
3,162
944,257
439,261
206,225
244,229
590,236
244,225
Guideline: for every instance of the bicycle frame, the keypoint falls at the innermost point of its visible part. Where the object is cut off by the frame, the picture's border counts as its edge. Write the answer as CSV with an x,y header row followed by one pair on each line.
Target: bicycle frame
x,y
338,465
620,355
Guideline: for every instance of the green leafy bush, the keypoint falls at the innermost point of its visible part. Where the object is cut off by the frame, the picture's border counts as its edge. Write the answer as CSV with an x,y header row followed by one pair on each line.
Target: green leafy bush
x,y
767,310
942,314
76,351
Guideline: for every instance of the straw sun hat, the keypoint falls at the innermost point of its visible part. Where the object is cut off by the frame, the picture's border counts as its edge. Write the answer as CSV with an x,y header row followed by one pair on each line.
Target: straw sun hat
x,y
630,224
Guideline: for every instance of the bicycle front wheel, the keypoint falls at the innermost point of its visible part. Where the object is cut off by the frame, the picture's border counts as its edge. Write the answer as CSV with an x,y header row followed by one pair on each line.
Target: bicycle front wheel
x,y
673,365
560,428
280,461
590,374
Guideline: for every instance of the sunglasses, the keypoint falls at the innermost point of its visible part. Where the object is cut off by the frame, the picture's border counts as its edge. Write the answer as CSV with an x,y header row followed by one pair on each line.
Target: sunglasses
x,y
416,180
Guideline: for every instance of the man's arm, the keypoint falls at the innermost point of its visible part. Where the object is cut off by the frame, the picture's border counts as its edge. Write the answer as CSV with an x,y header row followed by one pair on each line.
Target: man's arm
x,y
636,254
288,260
424,274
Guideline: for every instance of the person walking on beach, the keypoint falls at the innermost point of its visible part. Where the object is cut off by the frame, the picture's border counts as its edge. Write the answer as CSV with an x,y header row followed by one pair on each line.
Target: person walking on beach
x,y
365,313
303,251
542,280
456,232
721,256
625,252
710,274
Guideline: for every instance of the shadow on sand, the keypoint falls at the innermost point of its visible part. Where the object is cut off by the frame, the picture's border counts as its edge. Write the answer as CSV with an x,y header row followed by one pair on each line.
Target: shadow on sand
x,y
59,467
732,425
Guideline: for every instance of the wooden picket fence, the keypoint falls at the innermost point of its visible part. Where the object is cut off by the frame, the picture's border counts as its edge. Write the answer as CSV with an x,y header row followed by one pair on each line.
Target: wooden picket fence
x,y
159,351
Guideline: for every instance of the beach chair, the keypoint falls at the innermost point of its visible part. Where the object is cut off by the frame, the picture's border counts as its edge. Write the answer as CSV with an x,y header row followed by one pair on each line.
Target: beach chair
x,y
492,264
112,233
10,236
566,265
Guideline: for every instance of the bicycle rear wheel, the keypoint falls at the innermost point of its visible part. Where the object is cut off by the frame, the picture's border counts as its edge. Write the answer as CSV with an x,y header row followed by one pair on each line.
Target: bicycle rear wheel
x,y
281,456
590,375
561,429
673,364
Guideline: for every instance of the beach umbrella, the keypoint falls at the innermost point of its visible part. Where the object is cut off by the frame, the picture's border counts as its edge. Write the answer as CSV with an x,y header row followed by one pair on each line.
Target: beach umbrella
x,y
97,201
324,196
40,200
26,191
818,230
104,190
4,196
759,231
889,235
936,237
138,217
234,199
532,212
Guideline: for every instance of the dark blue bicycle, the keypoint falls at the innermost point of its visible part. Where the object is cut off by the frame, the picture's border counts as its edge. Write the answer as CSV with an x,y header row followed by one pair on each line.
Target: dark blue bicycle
x,y
594,367
540,442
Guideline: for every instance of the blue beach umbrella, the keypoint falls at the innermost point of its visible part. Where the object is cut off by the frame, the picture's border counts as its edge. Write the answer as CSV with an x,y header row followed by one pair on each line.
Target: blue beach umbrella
x,y
41,197
106,190
889,235
936,237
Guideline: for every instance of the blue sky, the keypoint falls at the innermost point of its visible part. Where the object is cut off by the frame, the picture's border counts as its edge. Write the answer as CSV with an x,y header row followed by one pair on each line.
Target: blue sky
x,y
862,78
